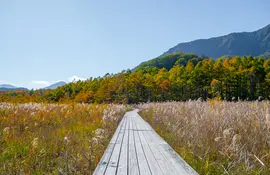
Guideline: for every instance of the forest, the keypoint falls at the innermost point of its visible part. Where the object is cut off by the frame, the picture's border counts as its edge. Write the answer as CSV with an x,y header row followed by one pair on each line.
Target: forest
x,y
175,77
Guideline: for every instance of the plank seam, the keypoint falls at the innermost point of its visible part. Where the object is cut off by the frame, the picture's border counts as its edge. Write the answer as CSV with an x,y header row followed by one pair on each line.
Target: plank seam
x,y
161,153
135,147
113,148
152,153
144,154
128,154
120,150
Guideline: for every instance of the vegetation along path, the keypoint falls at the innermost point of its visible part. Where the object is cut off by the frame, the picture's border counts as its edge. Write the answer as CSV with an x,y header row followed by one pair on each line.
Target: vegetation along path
x,y
137,149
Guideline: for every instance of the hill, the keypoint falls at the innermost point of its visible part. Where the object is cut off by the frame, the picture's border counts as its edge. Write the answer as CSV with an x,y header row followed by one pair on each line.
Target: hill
x,y
241,44
8,87
56,85
13,89
168,61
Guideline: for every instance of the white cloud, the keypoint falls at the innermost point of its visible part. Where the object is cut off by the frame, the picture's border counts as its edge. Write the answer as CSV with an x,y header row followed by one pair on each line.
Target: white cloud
x,y
38,84
46,83
75,78
6,82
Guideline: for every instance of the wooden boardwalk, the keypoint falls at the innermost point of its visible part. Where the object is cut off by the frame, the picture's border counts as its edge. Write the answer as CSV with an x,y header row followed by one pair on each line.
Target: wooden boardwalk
x,y
137,149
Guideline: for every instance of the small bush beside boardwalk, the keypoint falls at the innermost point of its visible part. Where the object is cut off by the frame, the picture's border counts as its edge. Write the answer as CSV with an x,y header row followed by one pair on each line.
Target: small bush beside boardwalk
x,y
215,137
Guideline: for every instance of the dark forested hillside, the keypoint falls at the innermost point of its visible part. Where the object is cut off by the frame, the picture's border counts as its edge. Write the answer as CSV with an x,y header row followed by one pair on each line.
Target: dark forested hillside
x,y
8,87
242,44
15,89
187,77
168,61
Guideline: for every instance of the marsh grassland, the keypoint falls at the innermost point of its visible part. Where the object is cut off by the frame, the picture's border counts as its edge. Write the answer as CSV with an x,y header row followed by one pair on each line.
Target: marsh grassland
x,y
215,137
55,138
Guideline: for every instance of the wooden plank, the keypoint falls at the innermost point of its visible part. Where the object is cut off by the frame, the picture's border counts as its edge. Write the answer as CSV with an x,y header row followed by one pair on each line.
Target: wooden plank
x,y
101,167
151,161
122,168
131,117
178,164
144,125
161,159
103,163
128,125
140,123
152,138
114,138
153,164
133,167
113,163
136,123
142,161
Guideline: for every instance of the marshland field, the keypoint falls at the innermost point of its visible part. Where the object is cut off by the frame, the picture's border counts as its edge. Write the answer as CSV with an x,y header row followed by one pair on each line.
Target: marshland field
x,y
214,137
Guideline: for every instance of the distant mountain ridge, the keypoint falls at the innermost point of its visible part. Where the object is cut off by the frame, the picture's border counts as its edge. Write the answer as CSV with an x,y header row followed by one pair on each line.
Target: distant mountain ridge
x,y
8,87
241,44
56,85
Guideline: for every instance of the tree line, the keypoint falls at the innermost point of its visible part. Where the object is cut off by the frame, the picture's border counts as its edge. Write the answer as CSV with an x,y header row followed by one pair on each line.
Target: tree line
x,y
243,78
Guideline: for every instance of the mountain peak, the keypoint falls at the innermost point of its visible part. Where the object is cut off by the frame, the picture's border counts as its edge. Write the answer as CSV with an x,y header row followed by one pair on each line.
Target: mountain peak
x,y
242,44
56,85
267,27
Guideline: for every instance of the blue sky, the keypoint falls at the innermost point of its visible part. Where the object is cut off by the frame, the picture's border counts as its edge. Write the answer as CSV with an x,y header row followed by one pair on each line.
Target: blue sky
x,y
44,41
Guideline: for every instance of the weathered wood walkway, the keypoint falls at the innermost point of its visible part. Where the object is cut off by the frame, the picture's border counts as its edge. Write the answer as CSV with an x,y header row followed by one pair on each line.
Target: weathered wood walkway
x,y
137,149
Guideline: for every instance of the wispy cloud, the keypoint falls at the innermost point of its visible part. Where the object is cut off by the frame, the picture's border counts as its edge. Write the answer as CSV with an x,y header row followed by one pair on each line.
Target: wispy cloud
x,y
46,83
75,78
37,84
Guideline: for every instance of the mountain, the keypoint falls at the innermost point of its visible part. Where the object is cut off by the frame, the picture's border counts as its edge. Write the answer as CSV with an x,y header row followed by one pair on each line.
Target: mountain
x,y
56,85
242,44
265,55
168,61
8,87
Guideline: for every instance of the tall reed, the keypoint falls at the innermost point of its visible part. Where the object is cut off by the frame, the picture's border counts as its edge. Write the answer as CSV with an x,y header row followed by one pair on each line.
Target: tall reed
x,y
215,137
55,138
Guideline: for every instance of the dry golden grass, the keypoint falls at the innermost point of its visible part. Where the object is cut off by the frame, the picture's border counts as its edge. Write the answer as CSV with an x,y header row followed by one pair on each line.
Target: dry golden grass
x,y
55,139
215,137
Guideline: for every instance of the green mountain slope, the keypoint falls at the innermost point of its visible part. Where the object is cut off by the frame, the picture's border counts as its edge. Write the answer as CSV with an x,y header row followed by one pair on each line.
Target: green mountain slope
x,y
168,61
